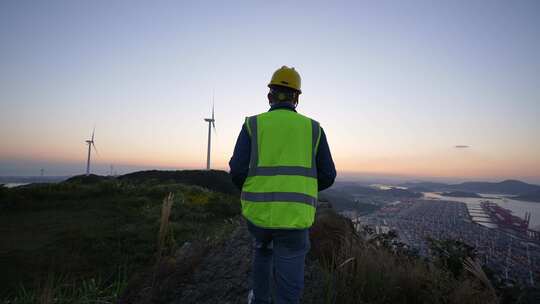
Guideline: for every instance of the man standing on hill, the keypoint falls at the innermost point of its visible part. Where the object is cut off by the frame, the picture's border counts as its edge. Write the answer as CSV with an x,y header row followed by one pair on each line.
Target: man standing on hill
x,y
281,161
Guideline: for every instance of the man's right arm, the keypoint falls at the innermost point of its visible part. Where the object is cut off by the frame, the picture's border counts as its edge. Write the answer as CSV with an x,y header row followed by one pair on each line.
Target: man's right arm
x,y
239,163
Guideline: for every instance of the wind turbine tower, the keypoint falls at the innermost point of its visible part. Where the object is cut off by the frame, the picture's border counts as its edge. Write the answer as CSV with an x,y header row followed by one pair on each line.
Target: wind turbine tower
x,y
91,144
211,124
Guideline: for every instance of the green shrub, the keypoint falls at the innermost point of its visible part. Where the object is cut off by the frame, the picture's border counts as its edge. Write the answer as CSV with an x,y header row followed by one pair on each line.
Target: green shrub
x,y
223,206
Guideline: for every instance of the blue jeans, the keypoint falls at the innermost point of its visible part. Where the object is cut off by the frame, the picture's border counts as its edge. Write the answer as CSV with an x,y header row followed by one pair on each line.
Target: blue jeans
x,y
278,254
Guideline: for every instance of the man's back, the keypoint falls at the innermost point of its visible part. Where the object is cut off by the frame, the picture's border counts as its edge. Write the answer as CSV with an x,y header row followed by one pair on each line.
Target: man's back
x,y
240,160
285,139
281,161
281,188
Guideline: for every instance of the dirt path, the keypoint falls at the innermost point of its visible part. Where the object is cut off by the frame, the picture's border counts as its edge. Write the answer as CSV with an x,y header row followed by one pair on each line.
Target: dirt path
x,y
223,275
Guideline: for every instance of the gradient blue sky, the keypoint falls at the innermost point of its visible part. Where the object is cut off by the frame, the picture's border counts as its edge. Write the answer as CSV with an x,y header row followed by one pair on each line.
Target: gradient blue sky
x,y
395,84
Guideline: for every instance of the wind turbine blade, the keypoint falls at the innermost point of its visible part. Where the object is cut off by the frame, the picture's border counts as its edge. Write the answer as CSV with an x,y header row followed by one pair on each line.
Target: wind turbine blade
x,y
214,126
213,101
93,133
95,149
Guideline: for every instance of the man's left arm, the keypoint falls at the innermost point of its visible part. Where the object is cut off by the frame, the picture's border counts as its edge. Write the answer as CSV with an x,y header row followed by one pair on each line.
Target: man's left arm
x,y
326,170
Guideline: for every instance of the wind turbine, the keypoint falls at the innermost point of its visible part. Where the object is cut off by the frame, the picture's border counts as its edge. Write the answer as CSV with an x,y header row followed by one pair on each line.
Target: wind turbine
x,y
91,144
211,124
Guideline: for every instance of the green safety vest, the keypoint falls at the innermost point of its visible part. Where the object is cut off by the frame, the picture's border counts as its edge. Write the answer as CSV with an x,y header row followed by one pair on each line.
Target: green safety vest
x,y
281,188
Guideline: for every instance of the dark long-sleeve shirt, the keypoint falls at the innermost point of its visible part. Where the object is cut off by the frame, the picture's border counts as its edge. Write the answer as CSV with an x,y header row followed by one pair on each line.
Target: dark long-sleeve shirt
x,y
239,163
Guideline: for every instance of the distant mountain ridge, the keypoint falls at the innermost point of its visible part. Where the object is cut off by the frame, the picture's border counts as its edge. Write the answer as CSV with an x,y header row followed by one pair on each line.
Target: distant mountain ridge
x,y
512,187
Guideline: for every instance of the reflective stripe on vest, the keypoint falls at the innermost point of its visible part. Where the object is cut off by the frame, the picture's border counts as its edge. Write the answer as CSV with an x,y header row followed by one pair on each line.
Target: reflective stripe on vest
x,y
281,188
279,197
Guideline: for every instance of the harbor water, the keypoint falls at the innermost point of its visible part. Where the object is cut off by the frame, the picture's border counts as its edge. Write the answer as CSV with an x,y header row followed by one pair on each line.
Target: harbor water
x,y
517,207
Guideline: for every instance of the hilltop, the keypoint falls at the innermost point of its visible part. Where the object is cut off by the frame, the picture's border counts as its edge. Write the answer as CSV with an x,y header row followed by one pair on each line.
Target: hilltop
x,y
87,179
215,180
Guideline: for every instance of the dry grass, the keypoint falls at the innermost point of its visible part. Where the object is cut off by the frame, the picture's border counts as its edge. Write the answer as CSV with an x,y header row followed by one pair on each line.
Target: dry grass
x,y
362,271
164,223
171,268
473,267
46,294
162,236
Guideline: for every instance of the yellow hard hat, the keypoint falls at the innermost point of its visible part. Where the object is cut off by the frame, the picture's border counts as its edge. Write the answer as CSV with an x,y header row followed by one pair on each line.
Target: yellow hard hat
x,y
286,77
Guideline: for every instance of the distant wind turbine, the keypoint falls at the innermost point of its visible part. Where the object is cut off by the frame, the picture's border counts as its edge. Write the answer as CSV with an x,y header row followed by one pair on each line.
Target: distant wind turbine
x,y
91,144
211,124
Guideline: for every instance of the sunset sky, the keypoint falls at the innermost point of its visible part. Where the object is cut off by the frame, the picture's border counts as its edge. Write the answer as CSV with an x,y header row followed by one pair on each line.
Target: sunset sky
x,y
396,85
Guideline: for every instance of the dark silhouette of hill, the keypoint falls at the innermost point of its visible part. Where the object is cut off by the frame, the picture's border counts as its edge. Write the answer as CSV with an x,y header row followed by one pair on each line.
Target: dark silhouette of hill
x,y
87,179
461,194
215,180
506,187
424,186
342,201
531,196
514,187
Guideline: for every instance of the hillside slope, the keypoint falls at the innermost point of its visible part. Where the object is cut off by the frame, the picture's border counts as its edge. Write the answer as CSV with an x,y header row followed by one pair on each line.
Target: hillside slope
x,y
342,267
100,229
